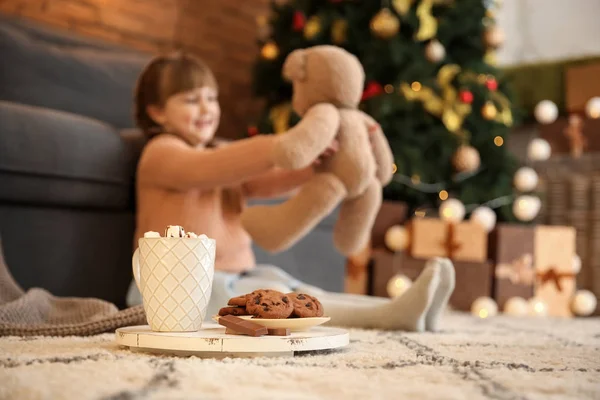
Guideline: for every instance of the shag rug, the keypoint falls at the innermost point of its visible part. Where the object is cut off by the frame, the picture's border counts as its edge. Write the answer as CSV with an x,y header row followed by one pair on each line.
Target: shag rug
x,y
498,358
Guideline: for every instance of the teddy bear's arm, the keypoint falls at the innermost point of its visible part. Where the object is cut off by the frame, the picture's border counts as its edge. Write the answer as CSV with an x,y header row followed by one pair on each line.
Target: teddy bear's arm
x,y
170,163
302,144
277,182
381,151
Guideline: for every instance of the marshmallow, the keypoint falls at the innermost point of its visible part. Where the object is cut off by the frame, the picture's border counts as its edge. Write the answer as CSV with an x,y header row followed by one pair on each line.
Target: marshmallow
x,y
174,231
151,234
191,235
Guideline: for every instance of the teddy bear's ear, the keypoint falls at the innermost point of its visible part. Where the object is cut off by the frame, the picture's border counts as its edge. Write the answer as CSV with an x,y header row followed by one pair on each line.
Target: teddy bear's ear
x,y
294,67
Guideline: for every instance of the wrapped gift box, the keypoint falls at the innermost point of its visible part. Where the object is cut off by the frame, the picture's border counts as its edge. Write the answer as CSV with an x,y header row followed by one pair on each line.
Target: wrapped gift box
x,y
473,279
581,84
511,247
433,237
534,261
554,250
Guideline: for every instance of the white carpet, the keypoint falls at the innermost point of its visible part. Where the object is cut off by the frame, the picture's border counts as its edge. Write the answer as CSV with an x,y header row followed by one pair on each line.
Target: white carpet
x,y
500,358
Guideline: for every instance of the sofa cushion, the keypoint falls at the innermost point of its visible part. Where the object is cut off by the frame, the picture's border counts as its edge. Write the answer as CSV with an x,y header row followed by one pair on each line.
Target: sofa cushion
x,y
69,76
50,157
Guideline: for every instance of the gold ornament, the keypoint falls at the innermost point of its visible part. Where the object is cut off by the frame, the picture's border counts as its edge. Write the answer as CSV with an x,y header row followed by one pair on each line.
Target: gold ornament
x,y
385,24
490,57
312,27
505,114
494,37
280,117
466,159
270,51
447,107
427,22
339,31
489,110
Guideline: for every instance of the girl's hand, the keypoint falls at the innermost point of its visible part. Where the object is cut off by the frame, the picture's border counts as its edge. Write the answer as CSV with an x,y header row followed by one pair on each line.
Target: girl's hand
x,y
329,151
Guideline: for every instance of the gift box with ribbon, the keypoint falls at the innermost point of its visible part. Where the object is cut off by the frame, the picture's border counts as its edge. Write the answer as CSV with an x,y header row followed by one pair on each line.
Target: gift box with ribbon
x,y
511,248
433,237
534,261
555,282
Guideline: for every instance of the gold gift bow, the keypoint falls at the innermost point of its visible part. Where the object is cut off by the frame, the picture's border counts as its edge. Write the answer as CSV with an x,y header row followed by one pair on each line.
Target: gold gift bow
x,y
551,275
519,271
427,22
505,114
451,111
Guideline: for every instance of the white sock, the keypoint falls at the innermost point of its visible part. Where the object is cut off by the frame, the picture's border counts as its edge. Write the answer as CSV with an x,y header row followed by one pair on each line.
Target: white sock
x,y
442,295
407,312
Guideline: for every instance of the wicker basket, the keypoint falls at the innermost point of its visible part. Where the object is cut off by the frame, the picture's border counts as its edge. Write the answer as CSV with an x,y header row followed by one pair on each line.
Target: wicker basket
x,y
571,192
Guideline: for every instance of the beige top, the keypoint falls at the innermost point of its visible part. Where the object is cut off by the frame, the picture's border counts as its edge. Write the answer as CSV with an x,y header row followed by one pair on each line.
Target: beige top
x,y
181,185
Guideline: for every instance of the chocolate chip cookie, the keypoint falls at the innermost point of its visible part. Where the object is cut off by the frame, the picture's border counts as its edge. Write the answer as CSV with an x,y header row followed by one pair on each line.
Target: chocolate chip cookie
x,y
305,306
233,311
269,304
239,301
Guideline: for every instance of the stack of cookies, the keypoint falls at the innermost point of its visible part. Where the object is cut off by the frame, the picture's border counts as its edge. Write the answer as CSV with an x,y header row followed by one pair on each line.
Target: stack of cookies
x,y
271,304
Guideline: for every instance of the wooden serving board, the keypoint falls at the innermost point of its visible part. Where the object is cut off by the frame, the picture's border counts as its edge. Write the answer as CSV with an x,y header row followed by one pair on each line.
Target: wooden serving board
x,y
212,342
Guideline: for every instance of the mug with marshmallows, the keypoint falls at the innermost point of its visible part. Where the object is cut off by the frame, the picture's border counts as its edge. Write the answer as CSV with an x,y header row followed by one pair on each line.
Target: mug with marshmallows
x,y
174,274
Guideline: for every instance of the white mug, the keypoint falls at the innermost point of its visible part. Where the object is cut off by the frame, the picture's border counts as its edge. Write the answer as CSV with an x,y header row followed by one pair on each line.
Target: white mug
x,y
175,276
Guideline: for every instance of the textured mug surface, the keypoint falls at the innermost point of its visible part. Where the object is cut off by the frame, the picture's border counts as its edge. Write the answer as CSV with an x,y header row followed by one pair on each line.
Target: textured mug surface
x,y
174,276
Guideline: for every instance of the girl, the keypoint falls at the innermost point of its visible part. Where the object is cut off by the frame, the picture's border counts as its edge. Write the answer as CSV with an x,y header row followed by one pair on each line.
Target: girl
x,y
185,178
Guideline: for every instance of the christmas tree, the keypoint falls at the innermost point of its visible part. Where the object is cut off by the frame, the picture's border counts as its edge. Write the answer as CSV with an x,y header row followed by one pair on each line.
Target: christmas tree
x,y
431,83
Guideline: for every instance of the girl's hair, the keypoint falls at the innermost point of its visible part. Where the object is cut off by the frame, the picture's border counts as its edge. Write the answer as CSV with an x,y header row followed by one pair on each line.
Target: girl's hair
x,y
163,77
168,75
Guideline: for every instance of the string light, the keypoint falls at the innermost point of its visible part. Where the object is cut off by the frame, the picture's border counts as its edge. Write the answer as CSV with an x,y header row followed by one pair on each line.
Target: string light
x,y
415,181
498,141
416,86
420,213
389,89
440,188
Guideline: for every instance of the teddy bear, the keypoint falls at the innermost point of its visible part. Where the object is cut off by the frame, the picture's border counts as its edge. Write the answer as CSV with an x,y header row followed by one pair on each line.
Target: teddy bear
x,y
327,83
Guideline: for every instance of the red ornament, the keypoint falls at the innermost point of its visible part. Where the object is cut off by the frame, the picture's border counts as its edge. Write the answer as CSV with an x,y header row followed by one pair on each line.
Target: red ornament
x,y
298,21
373,89
491,84
252,131
466,96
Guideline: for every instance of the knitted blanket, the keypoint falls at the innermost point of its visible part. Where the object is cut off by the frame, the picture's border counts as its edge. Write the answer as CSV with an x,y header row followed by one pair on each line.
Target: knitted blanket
x,y
37,312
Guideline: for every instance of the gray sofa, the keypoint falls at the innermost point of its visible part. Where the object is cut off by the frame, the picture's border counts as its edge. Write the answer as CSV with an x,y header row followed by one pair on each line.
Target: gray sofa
x,y
68,155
